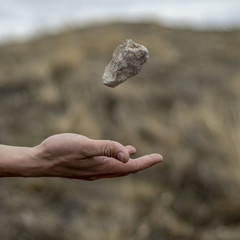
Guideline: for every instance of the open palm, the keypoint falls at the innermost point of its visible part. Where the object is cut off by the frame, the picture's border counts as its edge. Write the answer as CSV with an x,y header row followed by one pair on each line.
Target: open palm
x,y
76,156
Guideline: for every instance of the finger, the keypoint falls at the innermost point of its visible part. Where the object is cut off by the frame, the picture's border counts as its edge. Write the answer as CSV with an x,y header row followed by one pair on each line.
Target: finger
x,y
107,148
141,163
96,177
131,149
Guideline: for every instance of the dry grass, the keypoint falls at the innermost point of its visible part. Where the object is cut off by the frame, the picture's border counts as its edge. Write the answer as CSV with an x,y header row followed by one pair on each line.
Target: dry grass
x,y
184,104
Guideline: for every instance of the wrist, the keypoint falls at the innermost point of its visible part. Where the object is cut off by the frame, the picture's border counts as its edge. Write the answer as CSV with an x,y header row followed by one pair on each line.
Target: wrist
x,y
17,161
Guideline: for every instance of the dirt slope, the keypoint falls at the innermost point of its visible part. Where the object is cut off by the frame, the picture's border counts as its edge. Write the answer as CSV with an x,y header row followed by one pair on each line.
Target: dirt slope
x,y
184,104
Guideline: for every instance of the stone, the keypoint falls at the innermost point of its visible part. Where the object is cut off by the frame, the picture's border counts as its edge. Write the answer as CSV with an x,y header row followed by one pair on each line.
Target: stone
x,y
126,62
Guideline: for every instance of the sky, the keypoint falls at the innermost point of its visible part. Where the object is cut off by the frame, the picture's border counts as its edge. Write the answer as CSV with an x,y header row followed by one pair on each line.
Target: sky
x,y
21,18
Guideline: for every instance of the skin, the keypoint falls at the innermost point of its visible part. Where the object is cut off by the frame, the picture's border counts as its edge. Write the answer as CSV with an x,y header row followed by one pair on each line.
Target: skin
x,y
73,156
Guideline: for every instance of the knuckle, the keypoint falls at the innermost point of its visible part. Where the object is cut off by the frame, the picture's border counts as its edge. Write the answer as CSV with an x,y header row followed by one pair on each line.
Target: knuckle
x,y
136,167
109,149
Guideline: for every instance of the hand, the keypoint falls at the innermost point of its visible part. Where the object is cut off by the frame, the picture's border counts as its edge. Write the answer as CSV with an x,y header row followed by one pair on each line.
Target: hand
x,y
76,156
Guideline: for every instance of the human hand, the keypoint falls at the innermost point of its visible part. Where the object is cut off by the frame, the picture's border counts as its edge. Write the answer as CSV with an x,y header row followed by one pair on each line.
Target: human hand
x,y
76,156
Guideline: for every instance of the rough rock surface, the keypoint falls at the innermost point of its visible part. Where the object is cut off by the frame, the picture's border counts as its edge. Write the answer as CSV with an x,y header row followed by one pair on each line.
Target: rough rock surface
x,y
127,61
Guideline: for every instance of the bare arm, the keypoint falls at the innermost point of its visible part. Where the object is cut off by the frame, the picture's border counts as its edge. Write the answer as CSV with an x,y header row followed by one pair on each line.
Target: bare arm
x,y
73,156
15,161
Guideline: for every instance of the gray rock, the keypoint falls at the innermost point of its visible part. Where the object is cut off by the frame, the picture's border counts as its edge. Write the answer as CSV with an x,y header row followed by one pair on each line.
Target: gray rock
x,y
126,62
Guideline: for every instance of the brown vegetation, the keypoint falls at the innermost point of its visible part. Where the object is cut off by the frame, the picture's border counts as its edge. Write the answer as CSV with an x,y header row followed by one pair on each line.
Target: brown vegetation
x,y
184,104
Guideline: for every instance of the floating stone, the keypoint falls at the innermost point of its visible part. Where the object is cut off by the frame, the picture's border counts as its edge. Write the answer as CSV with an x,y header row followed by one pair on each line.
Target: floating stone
x,y
126,62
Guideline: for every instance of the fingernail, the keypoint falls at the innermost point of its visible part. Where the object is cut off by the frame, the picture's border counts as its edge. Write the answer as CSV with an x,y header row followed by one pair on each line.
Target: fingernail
x,y
160,158
120,156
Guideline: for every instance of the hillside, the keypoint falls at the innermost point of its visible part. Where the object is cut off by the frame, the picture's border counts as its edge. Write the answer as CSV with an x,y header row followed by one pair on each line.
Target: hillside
x,y
184,104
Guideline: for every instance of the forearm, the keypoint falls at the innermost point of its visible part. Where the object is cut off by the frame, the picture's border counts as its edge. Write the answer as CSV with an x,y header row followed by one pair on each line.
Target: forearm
x,y
15,161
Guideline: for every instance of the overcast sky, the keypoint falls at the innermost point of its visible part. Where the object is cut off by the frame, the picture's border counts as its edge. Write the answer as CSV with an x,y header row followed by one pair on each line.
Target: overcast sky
x,y
24,17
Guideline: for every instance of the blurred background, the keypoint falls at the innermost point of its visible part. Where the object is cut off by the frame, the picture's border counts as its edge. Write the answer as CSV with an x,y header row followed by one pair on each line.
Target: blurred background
x,y
185,104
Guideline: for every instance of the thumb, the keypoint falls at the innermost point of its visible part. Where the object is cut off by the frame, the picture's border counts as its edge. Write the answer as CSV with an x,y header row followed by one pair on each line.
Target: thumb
x,y
109,149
